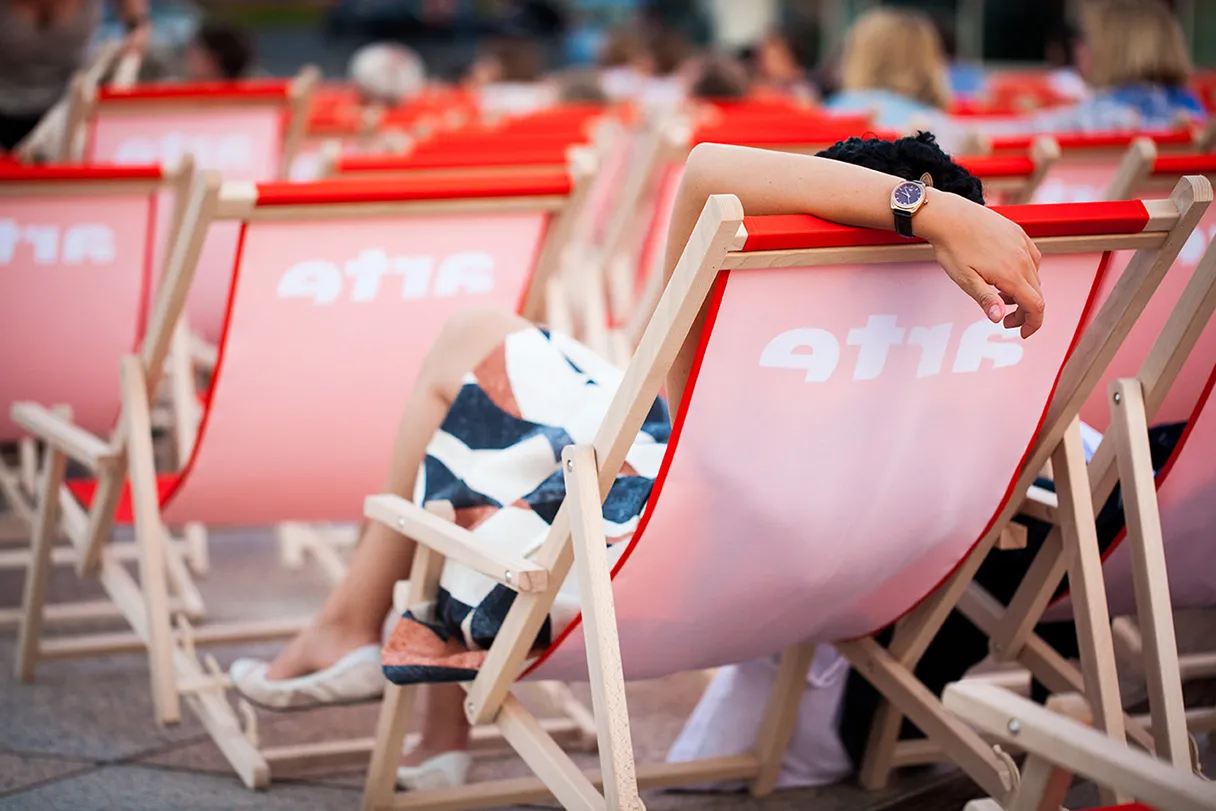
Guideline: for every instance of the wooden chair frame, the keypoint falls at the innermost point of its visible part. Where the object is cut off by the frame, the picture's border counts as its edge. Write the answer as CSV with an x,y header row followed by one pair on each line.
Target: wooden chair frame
x,y
82,104
20,485
576,538
1011,629
151,604
1059,747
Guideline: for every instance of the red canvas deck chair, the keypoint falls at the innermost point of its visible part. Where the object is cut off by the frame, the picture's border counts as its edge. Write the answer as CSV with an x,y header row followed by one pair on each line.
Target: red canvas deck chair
x,y
247,130
326,271
1144,173
77,261
1176,344
1059,747
864,344
1088,161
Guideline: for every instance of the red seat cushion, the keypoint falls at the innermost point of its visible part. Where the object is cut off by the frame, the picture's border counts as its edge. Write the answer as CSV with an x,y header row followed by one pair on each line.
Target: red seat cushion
x,y
84,489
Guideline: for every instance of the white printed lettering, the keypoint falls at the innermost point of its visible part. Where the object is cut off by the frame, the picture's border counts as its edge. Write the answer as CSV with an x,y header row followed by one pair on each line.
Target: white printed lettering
x,y
932,342
984,339
875,339
819,363
469,272
318,280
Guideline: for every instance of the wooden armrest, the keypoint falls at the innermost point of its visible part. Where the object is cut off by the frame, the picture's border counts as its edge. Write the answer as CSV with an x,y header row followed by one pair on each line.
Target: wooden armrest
x,y
63,435
455,543
1041,504
1079,749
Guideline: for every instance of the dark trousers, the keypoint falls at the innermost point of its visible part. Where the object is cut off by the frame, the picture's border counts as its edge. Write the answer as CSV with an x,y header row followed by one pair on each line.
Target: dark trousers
x,y
959,645
14,128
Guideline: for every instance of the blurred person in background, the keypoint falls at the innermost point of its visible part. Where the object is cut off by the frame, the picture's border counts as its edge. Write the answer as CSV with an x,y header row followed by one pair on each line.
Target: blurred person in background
x,y
508,76
1135,59
42,44
621,55
219,51
580,86
777,68
387,74
661,65
893,66
719,78
1060,51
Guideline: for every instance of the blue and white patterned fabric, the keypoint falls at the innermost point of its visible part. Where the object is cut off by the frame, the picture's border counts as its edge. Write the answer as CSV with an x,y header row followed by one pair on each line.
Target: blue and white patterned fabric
x,y
497,459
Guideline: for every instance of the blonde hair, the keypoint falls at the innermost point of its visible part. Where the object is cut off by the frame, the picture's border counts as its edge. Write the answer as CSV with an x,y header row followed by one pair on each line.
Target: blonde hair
x,y
1134,42
896,50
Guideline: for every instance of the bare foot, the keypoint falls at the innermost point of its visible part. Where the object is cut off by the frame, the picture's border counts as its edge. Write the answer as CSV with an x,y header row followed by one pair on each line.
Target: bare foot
x,y
316,648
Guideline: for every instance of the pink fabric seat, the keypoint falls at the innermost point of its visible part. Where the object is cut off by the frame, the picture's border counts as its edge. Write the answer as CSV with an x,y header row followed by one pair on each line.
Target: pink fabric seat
x,y
851,428
76,263
237,128
328,320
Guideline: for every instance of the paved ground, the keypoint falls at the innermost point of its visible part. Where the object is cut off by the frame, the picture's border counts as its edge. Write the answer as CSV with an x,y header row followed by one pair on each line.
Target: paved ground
x,y
82,737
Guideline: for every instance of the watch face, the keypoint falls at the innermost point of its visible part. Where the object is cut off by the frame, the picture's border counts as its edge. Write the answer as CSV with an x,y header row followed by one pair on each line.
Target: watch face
x,y
908,195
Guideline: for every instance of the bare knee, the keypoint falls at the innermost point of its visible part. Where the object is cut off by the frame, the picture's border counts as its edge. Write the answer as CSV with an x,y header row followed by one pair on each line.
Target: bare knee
x,y
465,340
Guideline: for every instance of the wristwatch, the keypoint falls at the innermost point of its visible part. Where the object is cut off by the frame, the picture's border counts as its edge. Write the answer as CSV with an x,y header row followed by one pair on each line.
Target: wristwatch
x,y
907,199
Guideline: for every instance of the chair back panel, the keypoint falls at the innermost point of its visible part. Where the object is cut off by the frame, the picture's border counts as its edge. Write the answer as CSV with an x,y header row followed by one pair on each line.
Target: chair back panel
x,y
74,273
243,143
329,321
1078,179
1184,393
838,456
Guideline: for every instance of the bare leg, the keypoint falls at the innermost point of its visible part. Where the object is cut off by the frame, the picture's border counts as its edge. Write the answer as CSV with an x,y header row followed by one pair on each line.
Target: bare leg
x,y
353,615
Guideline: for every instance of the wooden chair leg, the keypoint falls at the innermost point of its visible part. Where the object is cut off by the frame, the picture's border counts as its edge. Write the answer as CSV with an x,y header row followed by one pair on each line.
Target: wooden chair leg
x,y
33,601
149,535
398,701
878,763
27,459
196,548
1043,786
781,716
1151,580
1088,588
599,628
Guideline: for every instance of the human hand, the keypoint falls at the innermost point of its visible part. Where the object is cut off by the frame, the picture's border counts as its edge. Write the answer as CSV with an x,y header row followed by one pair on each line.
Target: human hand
x,y
988,256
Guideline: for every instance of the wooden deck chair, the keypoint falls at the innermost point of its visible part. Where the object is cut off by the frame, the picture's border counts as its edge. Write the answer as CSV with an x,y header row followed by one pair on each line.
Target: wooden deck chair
x,y
325,271
1059,747
1088,161
247,130
864,345
1012,630
77,262
1144,173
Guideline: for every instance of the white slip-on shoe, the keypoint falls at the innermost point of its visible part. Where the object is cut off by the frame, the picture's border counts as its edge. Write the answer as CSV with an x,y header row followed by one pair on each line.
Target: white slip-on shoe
x,y
355,677
449,770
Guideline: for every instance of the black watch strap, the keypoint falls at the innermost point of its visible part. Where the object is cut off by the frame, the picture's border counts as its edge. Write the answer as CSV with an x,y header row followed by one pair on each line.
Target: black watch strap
x,y
903,223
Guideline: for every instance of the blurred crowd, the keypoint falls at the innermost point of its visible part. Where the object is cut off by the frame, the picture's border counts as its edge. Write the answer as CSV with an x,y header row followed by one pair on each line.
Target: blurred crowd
x,y
1125,65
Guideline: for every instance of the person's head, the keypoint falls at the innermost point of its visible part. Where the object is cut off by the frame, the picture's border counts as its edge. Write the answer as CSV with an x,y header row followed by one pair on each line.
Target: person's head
x,y
665,53
910,158
719,77
510,58
622,48
1126,42
776,61
219,51
896,50
1060,48
387,73
581,86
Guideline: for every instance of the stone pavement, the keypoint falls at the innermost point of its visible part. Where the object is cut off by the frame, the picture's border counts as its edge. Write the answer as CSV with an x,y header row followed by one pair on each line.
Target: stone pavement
x,y
83,738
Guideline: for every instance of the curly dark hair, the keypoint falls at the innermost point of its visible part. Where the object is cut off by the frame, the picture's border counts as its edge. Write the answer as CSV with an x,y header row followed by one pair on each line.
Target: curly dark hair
x,y
909,158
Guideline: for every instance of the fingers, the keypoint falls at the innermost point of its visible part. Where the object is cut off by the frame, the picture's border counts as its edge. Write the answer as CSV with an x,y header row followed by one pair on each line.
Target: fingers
x,y
989,299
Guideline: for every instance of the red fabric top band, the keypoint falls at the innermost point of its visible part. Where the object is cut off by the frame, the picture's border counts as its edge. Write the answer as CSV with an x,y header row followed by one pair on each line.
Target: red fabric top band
x,y
194,91
18,173
1095,140
394,190
453,159
1188,164
994,166
815,132
785,232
